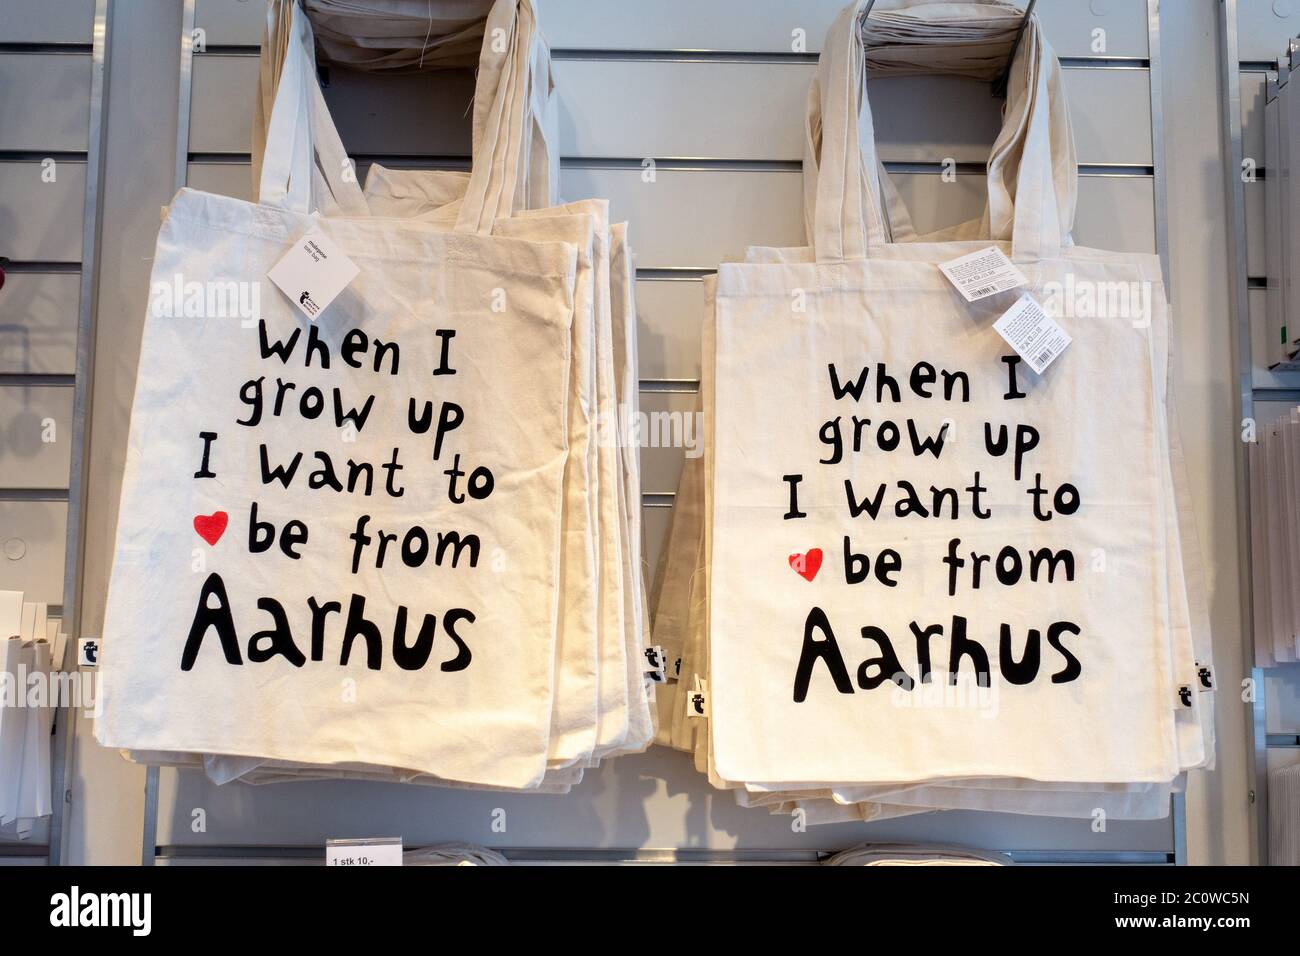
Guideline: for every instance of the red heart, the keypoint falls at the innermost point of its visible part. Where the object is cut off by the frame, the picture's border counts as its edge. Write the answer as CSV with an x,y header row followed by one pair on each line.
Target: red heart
x,y
212,527
807,565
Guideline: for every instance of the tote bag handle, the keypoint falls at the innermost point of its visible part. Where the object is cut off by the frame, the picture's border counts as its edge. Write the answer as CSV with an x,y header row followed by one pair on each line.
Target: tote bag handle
x,y
288,56
1032,175
506,136
303,168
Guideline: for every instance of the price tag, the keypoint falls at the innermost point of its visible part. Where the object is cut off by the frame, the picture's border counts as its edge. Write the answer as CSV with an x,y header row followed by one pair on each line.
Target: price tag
x,y
378,851
1032,333
313,272
981,274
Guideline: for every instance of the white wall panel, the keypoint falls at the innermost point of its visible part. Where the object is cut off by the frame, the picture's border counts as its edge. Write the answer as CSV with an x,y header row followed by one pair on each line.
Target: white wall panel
x,y
38,322
1252,115
231,22
695,217
671,429
31,548
747,26
227,179
222,96
415,114
699,217
654,531
1255,249
656,799
765,26
668,327
1116,212
1263,28
46,101
47,21
35,436
725,110
42,220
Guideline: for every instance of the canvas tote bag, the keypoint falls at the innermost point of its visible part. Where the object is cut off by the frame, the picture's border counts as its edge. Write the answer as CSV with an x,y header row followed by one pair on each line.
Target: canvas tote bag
x,y
1020,796
433,197
789,731
626,721
397,674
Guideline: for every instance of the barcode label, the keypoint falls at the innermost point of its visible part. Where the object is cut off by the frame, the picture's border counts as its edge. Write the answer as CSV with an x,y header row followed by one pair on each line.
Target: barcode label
x,y
982,274
1032,333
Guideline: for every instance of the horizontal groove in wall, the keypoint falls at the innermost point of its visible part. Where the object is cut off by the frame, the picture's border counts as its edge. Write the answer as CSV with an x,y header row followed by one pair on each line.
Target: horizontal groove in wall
x,y
221,159
415,161
37,379
650,855
1257,66
1105,62
1283,740
37,155
76,49
684,386
674,274
661,500
229,49
697,163
1116,170
924,167
1275,393
734,56
24,266
33,494
1256,282
681,164
663,56
23,851
685,56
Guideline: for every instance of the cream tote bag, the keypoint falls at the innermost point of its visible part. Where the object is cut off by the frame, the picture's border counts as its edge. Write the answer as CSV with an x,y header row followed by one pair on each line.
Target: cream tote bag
x,y
622,720
829,587
390,599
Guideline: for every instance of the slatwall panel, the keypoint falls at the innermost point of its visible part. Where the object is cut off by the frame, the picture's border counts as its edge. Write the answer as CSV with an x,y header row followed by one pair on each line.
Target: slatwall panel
x,y
1263,30
1263,34
45,119
713,91
45,76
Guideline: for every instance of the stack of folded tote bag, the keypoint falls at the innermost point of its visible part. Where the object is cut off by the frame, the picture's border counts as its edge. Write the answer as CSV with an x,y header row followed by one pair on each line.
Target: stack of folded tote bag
x,y
907,854
1275,539
453,854
449,589
909,573
27,702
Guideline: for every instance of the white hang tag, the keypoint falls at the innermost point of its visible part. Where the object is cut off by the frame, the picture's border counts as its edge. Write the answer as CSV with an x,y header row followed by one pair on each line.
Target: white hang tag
x,y
1205,674
981,274
697,699
88,652
381,851
655,667
1032,333
1185,695
313,272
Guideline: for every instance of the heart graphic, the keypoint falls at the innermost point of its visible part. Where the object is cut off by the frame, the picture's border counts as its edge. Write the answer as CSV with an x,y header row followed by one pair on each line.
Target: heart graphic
x,y
807,565
212,527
